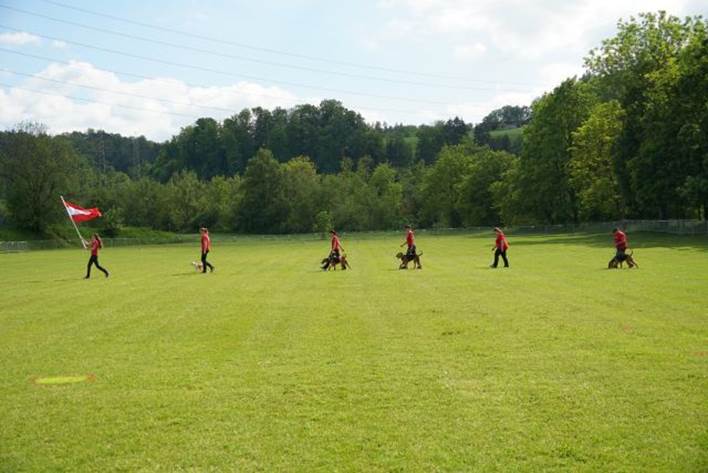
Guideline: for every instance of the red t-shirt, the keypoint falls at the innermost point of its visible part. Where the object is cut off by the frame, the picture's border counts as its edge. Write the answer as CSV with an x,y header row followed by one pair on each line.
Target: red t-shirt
x,y
95,246
206,243
336,245
620,240
501,242
410,240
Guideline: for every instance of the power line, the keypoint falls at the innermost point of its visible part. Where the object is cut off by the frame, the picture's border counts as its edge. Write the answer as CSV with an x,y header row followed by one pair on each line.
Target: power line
x,y
171,82
267,50
221,72
34,91
128,94
82,99
243,58
147,97
130,74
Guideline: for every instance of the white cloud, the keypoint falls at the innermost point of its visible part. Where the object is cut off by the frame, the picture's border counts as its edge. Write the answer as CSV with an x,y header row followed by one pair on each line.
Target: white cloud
x,y
469,51
156,119
19,39
58,44
475,112
526,29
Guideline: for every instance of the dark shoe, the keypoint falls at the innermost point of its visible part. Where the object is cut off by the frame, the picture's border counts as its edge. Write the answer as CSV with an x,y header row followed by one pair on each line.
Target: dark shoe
x,y
87,277
107,274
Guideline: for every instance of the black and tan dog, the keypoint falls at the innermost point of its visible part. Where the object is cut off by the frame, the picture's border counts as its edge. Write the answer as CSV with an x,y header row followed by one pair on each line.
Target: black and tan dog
x,y
332,262
616,263
405,259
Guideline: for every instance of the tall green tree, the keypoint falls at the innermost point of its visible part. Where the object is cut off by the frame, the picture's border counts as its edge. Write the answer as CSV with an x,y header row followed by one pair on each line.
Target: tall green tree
x,y
476,199
637,67
544,173
36,169
239,144
301,189
263,204
593,165
441,187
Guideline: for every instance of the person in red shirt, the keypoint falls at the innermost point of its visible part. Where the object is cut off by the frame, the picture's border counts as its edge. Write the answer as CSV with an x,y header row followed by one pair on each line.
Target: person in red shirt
x,y
410,242
96,244
499,248
206,247
620,244
335,251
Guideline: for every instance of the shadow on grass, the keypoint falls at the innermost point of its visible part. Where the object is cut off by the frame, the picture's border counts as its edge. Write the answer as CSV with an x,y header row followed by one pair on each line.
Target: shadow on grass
x,y
602,240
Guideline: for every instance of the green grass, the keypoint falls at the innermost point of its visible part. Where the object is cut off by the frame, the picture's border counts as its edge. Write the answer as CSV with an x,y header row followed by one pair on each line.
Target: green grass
x,y
271,365
512,133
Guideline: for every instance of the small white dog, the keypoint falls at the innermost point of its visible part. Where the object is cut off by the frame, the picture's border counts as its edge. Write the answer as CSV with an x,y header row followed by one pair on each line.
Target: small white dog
x,y
197,265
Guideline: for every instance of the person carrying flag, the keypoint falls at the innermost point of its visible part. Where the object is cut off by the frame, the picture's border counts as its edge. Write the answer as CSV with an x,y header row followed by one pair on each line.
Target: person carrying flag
x,y
499,248
95,245
206,247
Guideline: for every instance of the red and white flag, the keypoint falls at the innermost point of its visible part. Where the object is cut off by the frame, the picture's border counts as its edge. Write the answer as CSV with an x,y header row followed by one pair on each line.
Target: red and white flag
x,y
78,214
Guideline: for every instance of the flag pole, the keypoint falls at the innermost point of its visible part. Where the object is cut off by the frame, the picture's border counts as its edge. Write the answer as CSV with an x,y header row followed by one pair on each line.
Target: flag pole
x,y
83,242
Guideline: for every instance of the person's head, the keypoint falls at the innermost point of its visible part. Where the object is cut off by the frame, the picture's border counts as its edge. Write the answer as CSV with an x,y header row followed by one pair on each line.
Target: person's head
x,y
332,232
615,230
407,227
497,230
96,236
204,230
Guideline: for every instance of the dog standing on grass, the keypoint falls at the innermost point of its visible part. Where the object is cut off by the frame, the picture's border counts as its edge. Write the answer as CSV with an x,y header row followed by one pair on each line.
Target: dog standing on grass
x,y
411,254
336,254
616,263
621,254
407,258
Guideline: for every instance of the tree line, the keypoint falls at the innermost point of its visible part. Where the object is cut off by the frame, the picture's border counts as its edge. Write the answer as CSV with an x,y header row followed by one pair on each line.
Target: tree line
x,y
628,139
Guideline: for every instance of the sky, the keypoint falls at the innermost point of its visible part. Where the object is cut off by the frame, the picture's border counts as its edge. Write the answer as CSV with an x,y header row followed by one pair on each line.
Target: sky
x,y
151,68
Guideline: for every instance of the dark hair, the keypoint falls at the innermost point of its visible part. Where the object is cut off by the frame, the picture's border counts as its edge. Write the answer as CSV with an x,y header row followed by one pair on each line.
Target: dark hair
x,y
615,229
98,238
406,226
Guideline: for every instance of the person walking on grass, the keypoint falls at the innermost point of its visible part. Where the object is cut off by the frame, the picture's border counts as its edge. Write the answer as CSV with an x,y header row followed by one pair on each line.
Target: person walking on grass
x,y
96,244
620,244
206,247
499,248
335,252
410,243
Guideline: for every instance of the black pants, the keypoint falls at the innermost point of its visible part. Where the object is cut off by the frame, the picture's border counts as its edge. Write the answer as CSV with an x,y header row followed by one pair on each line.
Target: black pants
x,y
503,255
94,260
205,263
411,252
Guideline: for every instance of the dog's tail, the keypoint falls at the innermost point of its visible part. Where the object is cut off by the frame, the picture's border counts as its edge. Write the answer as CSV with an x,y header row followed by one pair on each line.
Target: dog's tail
x,y
420,254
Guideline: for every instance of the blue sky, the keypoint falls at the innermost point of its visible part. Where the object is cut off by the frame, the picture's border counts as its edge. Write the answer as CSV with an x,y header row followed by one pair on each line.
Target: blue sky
x,y
398,61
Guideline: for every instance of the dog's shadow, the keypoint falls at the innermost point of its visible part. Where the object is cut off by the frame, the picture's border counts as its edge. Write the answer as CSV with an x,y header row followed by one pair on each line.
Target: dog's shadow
x,y
194,273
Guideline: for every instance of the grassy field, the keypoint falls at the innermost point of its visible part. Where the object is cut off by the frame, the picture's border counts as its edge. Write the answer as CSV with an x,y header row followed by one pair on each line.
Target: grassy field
x,y
269,364
512,133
